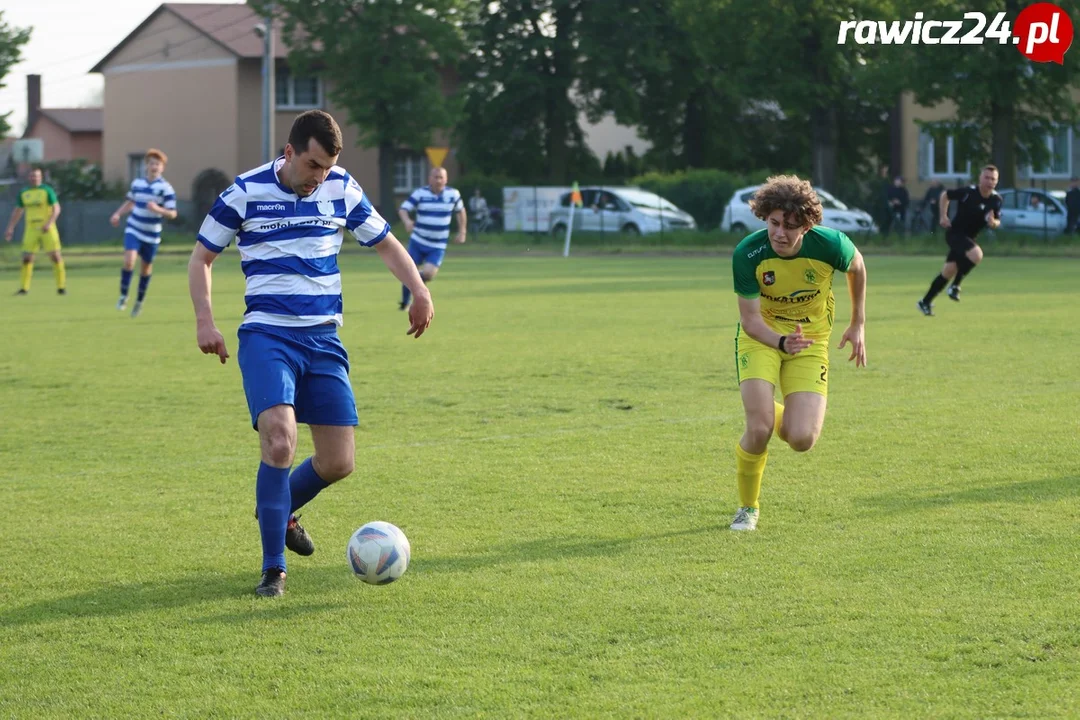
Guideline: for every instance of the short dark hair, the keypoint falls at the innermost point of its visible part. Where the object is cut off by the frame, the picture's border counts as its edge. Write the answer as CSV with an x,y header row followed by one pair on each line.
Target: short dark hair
x,y
990,167
316,124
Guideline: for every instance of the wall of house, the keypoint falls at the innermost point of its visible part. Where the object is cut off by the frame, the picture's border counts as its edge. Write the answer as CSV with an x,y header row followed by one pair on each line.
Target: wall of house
x,y
175,89
912,114
57,139
189,113
361,164
86,145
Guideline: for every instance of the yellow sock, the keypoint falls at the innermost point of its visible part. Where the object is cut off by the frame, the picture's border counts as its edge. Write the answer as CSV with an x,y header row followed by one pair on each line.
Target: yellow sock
x,y
24,276
748,469
779,412
61,275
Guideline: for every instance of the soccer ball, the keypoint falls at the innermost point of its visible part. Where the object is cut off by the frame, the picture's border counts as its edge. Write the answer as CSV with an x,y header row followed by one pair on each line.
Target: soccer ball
x,y
378,553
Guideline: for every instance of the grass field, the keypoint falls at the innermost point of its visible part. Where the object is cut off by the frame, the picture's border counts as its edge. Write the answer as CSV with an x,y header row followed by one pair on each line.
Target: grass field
x,y
559,450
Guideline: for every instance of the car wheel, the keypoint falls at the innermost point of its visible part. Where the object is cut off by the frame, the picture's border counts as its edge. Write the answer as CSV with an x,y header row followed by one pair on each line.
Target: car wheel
x,y
559,230
738,228
630,229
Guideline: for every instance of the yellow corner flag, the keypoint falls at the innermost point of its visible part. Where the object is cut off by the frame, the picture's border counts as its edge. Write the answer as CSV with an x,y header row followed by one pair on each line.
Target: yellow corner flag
x,y
575,195
436,155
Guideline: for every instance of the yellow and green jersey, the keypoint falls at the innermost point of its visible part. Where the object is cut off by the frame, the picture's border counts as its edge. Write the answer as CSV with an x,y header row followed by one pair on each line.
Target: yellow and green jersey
x,y
795,289
38,203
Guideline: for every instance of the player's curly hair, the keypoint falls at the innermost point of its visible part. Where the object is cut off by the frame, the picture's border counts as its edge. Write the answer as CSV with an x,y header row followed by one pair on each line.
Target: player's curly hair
x,y
154,153
788,193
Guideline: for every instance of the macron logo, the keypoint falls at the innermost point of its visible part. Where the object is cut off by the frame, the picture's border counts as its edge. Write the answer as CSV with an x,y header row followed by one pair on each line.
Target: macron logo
x,y
271,206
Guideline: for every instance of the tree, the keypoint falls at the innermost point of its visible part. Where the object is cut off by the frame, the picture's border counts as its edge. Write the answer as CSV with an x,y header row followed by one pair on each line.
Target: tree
x,y
12,40
646,71
391,65
788,59
518,108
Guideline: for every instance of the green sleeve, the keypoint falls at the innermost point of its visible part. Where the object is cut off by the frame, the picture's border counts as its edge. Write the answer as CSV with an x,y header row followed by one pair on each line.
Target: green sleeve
x,y
845,252
19,202
52,195
743,270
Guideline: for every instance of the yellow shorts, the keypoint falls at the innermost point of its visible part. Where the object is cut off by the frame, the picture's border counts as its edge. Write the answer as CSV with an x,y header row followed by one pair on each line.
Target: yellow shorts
x,y
807,371
35,240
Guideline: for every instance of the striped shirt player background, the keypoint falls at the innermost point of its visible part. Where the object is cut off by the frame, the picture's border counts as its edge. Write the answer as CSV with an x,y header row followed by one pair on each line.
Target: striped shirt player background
x,y
142,224
433,215
431,230
289,245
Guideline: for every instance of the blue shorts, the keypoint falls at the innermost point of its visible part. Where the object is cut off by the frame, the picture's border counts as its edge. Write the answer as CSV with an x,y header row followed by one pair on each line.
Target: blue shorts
x,y
425,254
307,368
147,251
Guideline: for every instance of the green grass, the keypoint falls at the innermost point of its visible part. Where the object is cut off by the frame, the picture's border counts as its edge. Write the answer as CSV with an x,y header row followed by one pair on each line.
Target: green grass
x,y
559,450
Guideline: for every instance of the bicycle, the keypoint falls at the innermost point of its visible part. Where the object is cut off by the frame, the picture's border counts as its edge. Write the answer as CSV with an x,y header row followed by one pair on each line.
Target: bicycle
x,y
920,223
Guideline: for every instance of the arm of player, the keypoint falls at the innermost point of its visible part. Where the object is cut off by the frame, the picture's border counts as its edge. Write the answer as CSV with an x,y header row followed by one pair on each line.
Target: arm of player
x,y
404,269
406,221
755,326
55,213
162,211
855,333
462,224
943,209
121,212
209,337
16,214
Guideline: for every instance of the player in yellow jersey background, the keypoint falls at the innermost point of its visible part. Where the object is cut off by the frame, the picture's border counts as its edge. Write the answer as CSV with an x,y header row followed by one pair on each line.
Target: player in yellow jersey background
x,y
783,277
38,202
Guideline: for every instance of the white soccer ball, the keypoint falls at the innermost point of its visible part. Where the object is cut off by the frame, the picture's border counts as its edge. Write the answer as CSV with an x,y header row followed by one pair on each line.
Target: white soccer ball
x,y
378,553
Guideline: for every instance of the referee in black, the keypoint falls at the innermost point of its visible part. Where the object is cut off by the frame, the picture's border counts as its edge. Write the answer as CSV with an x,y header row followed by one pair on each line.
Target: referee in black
x,y
977,207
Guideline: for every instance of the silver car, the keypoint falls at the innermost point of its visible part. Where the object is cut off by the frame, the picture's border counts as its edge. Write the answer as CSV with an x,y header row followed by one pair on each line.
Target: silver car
x,y
1032,212
626,210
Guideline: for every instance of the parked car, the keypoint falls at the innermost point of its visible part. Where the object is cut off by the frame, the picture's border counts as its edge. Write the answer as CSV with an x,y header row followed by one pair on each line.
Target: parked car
x,y
622,209
1032,211
739,218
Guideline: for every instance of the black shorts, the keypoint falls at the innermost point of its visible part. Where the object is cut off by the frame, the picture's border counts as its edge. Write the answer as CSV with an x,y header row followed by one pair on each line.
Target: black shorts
x,y
958,246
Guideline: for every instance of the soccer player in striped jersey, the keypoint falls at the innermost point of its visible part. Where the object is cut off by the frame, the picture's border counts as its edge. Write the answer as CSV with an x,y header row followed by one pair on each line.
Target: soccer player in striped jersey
x,y
288,218
434,205
149,200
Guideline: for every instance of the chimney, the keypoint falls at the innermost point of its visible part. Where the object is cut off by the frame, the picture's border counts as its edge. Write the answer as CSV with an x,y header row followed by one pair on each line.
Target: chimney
x,y
33,100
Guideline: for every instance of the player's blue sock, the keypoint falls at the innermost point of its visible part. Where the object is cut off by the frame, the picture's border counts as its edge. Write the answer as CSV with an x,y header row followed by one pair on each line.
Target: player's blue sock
x,y
144,282
125,281
272,499
305,484
405,295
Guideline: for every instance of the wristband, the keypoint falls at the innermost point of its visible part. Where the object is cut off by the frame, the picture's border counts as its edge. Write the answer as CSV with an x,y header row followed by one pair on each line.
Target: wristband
x,y
781,345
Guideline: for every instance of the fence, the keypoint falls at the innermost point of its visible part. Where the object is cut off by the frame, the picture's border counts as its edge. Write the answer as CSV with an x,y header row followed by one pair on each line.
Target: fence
x,y
1033,211
87,221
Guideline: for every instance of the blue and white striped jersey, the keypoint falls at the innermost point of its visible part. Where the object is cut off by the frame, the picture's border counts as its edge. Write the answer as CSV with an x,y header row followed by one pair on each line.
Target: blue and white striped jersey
x,y
289,245
142,223
433,213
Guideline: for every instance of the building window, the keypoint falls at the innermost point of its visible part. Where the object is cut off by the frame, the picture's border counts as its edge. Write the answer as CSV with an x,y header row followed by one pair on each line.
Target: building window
x,y
297,92
410,171
946,157
1059,151
136,166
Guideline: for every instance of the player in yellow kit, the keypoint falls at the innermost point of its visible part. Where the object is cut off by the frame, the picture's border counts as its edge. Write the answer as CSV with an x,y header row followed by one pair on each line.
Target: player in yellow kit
x,y
783,277
38,202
